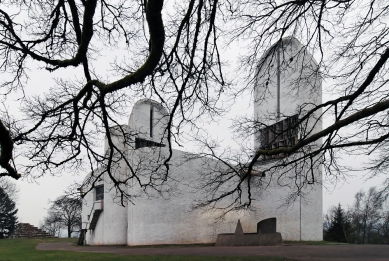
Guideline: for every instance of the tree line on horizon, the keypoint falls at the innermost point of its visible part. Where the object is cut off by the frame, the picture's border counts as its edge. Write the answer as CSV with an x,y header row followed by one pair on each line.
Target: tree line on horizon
x,y
365,222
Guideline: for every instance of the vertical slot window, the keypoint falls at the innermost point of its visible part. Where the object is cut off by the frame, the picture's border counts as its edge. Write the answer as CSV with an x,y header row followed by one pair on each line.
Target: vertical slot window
x,y
151,120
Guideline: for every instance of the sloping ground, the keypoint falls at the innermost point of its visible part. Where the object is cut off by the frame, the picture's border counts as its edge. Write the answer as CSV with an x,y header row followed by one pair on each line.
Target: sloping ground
x,y
25,230
296,252
22,249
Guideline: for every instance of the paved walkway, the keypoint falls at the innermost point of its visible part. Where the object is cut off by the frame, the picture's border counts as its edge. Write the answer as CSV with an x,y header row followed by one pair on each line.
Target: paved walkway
x,y
299,252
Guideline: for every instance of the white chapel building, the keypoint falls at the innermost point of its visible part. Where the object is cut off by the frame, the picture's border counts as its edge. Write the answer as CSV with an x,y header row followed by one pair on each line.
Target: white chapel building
x,y
284,91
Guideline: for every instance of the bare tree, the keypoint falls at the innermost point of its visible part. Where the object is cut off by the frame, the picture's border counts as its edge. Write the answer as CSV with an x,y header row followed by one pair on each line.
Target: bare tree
x,y
384,227
179,63
350,59
367,217
9,186
328,217
67,124
367,213
64,213
52,224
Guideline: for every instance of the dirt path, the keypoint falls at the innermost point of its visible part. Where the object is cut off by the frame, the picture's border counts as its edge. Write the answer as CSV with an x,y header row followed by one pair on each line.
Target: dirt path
x,y
299,252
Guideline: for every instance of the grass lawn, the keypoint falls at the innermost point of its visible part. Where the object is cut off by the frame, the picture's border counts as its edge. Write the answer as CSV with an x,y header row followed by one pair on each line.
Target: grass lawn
x,y
24,250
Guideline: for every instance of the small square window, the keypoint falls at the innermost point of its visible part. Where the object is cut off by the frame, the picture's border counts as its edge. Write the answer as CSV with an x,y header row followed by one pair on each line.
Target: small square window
x,y
99,192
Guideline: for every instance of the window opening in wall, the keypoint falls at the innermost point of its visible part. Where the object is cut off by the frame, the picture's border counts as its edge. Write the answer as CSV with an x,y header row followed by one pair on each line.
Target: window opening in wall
x,y
141,143
99,192
257,173
279,135
151,120
278,84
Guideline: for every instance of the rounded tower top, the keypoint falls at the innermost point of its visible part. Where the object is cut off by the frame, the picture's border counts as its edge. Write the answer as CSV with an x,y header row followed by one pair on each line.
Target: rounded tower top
x,y
288,83
149,120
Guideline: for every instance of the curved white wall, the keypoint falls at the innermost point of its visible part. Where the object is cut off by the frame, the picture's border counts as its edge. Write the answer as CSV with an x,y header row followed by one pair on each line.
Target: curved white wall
x,y
168,218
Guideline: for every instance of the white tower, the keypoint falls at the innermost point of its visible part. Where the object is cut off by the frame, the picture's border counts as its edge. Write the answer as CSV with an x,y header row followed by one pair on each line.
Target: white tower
x,y
288,85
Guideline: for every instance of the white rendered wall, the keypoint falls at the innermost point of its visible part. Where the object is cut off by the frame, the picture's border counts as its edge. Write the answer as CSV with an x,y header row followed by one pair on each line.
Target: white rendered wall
x,y
115,211
170,219
300,85
270,202
111,228
167,218
92,237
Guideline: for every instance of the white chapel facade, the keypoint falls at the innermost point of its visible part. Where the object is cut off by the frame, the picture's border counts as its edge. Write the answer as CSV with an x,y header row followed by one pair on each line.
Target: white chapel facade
x,y
170,218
